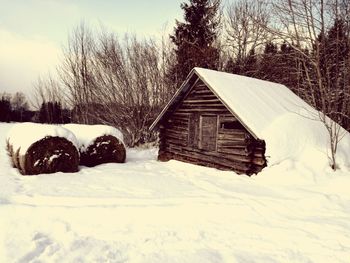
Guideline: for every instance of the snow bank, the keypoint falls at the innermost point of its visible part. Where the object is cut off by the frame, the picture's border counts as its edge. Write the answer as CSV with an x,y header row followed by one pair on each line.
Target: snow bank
x,y
86,134
295,137
23,135
148,211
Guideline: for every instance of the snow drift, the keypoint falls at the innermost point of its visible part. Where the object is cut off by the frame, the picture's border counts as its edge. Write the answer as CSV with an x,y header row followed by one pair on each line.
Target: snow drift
x,y
98,144
37,148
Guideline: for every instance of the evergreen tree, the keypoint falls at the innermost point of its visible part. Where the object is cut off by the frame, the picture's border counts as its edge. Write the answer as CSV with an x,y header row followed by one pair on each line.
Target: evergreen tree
x,y
195,38
246,67
5,109
19,107
334,56
51,112
268,61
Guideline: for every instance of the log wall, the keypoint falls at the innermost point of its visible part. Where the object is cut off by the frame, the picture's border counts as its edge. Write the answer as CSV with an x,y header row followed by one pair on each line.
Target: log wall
x,y
202,131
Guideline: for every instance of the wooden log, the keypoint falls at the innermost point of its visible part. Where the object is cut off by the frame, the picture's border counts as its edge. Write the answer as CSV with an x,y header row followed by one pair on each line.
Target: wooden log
x,y
233,132
227,118
233,141
232,136
203,91
219,156
258,154
180,115
202,101
175,132
239,151
203,106
176,141
164,156
173,147
201,97
208,160
178,118
178,122
243,147
259,161
177,127
201,85
203,110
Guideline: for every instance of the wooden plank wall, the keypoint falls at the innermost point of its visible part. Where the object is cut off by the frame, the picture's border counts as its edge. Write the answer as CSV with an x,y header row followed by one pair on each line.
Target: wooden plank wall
x,y
188,135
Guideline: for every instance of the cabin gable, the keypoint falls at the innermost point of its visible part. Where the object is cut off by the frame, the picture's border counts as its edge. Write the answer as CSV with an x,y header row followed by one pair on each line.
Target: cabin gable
x,y
199,129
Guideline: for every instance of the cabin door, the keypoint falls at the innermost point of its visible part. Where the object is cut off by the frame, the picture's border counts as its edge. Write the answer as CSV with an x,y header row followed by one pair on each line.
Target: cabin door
x,y
207,132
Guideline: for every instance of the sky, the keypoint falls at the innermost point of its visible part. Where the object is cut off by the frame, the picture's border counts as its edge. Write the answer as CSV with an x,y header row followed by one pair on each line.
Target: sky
x,y
33,32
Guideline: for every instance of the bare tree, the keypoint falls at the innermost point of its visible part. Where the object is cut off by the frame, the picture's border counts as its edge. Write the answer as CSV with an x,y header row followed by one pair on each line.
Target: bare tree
x,y
19,101
310,27
130,79
246,23
76,71
47,89
120,82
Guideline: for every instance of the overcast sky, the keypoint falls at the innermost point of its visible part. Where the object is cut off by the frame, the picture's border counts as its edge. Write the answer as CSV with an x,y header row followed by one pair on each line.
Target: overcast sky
x,y
32,32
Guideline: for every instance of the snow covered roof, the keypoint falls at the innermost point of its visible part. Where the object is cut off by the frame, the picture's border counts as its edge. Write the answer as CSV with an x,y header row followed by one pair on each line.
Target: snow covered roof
x,y
255,103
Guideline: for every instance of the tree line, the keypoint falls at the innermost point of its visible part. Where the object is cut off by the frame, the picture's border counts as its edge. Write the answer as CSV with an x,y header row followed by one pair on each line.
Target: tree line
x,y
15,108
125,81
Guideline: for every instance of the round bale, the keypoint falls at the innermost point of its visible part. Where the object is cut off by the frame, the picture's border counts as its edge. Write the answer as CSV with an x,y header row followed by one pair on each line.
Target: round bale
x,y
37,149
98,144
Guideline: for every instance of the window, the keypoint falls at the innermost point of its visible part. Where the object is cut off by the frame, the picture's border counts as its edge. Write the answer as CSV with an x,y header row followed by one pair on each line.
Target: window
x,y
230,125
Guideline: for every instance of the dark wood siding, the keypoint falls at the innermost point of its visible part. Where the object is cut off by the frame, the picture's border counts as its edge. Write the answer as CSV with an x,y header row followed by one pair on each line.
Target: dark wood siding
x,y
201,130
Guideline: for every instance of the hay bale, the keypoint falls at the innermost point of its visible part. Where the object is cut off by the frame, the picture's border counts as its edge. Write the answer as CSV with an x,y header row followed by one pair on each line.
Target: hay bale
x,y
98,144
104,149
36,149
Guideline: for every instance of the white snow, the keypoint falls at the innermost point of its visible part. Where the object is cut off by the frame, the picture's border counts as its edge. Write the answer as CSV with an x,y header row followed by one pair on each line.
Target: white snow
x,y
153,212
23,135
86,134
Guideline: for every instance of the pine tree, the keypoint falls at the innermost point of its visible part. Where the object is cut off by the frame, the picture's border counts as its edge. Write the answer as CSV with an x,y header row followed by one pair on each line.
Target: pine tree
x,y
195,38
334,55
267,64
5,109
51,112
245,67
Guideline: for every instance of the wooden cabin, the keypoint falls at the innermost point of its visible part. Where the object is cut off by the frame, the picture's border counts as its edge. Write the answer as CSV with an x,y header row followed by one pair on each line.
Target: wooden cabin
x,y
198,127
217,119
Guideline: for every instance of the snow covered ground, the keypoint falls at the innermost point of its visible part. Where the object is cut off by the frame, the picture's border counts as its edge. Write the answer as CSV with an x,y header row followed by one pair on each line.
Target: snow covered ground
x,y
148,211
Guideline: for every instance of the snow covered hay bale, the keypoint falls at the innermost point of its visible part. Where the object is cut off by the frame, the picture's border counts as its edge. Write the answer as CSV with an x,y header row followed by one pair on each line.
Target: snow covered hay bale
x,y
37,149
98,144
